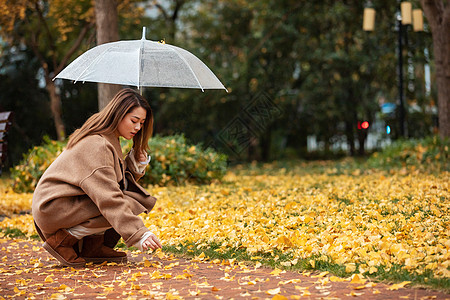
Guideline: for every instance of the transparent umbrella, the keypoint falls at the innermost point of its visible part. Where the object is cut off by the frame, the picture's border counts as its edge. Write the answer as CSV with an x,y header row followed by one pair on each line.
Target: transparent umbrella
x,y
141,63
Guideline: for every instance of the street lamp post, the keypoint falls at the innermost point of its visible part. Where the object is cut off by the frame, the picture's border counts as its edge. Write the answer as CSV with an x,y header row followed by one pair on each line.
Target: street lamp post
x,y
406,16
401,112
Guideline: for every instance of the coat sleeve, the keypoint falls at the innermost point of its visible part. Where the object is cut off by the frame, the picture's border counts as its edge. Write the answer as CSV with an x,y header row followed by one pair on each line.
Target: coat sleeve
x,y
131,166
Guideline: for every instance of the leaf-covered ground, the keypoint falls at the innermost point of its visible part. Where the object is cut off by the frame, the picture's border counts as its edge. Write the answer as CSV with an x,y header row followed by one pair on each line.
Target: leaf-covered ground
x,y
29,272
392,226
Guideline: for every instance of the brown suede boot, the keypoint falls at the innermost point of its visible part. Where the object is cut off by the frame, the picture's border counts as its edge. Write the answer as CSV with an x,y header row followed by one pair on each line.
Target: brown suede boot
x,y
60,245
38,230
95,251
111,237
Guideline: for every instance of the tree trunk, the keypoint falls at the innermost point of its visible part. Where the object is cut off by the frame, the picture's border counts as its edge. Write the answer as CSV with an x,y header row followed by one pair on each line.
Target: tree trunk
x,y
349,133
55,105
438,15
107,31
362,136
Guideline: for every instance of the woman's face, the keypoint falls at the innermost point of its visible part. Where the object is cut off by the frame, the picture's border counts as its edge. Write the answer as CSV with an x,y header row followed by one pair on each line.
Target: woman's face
x,y
131,123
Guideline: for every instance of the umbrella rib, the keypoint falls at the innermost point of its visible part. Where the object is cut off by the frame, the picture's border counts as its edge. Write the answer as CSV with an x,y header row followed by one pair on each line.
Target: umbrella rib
x,y
141,50
187,64
94,61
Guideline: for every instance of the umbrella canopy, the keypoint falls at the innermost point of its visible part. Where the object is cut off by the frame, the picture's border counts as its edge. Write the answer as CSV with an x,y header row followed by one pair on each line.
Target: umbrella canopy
x,y
141,63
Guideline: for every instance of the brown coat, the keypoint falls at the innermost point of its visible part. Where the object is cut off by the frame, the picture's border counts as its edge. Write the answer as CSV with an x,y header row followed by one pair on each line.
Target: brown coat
x,y
85,185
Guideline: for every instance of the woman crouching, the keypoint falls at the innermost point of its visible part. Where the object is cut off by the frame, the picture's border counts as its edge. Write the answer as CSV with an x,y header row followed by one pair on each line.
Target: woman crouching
x,y
89,196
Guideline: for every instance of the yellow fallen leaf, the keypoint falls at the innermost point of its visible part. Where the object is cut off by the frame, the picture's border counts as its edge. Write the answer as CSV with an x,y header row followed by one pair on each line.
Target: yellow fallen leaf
x,y
306,293
397,286
277,272
160,254
170,296
337,279
49,279
357,279
350,267
359,287
64,288
290,281
147,263
145,293
279,297
320,275
255,257
273,291
354,294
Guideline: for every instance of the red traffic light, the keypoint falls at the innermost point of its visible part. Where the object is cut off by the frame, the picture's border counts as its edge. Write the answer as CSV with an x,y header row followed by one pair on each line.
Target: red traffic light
x,y
363,125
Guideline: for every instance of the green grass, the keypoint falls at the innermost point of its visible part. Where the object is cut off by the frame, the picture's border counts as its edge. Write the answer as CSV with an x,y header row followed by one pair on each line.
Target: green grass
x,y
395,274
17,233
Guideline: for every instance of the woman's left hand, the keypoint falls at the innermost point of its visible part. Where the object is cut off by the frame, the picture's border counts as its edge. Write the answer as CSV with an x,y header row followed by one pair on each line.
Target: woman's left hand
x,y
142,157
151,242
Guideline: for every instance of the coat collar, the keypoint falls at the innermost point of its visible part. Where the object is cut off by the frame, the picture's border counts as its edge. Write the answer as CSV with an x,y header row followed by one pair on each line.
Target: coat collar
x,y
114,140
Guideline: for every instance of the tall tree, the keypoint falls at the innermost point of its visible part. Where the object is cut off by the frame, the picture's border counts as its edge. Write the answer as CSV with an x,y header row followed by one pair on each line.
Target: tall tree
x,y
107,22
170,12
54,31
438,16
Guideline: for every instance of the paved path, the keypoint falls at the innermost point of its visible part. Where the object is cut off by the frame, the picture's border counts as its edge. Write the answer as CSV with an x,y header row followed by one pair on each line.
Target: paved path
x,y
28,271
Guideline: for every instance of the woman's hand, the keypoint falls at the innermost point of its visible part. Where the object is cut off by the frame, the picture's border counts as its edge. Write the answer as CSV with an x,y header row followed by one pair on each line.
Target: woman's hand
x,y
151,242
142,157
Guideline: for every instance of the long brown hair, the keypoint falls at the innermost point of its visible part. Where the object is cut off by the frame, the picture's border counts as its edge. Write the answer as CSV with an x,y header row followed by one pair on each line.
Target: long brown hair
x,y
107,120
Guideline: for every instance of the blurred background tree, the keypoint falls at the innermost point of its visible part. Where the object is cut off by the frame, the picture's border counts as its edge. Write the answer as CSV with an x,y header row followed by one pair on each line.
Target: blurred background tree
x,y
53,31
438,14
311,60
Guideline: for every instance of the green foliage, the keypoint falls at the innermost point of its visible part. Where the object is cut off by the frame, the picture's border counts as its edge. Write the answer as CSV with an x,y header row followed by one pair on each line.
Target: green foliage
x,y
429,154
12,232
174,161
27,173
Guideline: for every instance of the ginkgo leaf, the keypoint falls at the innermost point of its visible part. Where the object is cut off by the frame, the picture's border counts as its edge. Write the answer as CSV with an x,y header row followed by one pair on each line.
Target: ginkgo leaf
x,y
279,297
147,263
354,294
277,272
273,291
320,275
336,279
397,286
357,279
